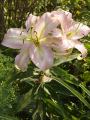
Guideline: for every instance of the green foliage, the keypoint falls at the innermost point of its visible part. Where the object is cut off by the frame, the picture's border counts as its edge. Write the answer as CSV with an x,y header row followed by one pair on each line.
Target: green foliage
x,y
7,90
22,95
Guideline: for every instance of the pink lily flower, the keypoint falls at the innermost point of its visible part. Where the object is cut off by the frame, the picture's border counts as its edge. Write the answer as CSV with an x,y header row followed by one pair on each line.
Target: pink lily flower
x,y
31,42
68,33
54,32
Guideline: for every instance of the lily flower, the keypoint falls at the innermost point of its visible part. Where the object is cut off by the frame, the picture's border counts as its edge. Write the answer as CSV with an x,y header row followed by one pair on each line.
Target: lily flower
x,y
69,32
31,42
54,32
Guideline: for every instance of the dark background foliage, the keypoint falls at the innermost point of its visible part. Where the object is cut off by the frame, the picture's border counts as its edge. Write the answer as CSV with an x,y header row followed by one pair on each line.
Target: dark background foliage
x,y
22,97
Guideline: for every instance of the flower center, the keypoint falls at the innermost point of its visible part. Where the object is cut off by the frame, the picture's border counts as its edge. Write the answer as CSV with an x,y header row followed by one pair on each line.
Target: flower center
x,y
32,37
70,34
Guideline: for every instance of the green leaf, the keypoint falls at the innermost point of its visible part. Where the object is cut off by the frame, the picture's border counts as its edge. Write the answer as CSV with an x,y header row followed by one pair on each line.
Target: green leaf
x,y
61,73
4,117
76,93
55,88
38,111
88,46
85,89
26,100
29,80
61,59
86,76
59,108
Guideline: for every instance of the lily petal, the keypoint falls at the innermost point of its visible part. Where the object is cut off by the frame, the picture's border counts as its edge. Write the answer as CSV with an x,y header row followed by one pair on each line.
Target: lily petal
x,y
41,56
14,38
60,11
31,20
79,46
65,19
22,60
57,33
45,25
79,30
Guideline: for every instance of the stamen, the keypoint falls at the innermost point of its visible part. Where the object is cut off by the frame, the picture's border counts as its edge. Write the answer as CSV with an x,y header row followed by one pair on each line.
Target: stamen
x,y
36,40
23,41
21,33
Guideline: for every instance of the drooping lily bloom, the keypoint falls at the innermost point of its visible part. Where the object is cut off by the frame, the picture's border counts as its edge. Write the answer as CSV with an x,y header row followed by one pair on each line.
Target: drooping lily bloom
x,y
69,32
31,42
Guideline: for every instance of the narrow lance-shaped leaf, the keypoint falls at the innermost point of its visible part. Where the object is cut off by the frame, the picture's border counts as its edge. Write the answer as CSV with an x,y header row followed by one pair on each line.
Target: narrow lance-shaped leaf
x,y
85,89
72,90
26,100
57,106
